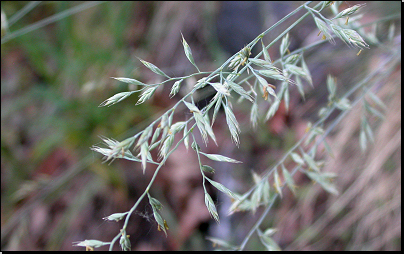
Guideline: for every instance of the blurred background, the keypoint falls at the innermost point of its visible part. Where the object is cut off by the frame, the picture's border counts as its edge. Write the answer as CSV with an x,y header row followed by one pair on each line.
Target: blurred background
x,y
57,61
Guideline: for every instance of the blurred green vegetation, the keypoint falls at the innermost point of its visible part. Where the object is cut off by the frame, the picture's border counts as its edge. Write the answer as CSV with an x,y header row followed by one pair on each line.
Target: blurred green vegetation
x,y
63,73
53,80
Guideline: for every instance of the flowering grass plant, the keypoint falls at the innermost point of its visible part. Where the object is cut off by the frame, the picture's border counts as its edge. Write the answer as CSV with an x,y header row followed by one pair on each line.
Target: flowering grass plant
x,y
251,78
